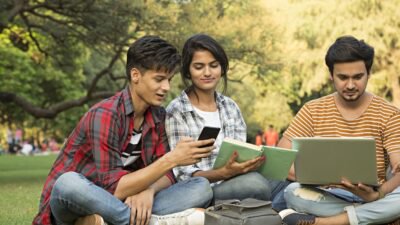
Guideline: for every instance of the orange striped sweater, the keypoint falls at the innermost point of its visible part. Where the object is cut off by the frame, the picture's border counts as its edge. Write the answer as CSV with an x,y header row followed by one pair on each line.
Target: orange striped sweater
x,y
381,120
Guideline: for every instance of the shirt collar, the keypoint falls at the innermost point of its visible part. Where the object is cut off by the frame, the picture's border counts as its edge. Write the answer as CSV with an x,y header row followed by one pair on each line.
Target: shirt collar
x,y
127,99
187,105
152,115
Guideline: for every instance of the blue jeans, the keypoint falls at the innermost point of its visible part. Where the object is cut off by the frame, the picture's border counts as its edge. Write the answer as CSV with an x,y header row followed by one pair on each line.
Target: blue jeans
x,y
73,196
252,185
325,203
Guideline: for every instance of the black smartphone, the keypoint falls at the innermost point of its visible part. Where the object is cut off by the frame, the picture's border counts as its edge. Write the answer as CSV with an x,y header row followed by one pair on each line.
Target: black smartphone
x,y
207,133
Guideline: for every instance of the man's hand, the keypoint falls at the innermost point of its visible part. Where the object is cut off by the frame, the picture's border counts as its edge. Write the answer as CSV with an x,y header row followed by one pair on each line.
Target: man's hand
x,y
188,152
365,192
141,206
233,168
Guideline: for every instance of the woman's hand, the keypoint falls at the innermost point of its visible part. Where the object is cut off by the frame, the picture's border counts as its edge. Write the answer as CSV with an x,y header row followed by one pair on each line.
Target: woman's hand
x,y
233,168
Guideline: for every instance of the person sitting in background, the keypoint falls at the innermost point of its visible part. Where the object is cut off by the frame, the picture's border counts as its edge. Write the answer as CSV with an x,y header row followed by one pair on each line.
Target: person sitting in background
x,y
259,140
53,145
27,148
44,146
271,137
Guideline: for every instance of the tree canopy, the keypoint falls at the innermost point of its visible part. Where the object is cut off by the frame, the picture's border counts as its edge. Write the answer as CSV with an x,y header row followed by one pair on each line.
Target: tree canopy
x,y
59,57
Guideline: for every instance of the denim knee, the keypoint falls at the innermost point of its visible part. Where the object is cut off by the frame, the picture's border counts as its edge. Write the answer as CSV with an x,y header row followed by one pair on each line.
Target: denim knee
x,y
202,193
66,183
289,190
259,185
296,196
71,185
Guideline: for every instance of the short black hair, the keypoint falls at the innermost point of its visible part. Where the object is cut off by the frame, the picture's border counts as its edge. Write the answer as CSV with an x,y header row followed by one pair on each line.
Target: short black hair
x,y
152,53
203,42
349,49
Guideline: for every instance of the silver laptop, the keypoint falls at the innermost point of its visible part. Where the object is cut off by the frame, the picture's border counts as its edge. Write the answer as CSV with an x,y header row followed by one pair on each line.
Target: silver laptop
x,y
323,160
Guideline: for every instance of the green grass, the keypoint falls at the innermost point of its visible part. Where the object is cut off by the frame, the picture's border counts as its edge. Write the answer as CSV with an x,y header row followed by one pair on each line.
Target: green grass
x,y
21,183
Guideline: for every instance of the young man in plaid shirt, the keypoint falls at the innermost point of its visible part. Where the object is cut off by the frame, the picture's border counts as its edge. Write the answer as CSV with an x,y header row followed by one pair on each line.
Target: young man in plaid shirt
x,y
116,164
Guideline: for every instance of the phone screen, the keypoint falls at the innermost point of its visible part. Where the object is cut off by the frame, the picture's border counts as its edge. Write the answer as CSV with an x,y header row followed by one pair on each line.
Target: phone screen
x,y
209,132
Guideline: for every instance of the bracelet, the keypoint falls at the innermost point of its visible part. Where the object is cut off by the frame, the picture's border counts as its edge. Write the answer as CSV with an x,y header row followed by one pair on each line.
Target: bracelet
x,y
380,194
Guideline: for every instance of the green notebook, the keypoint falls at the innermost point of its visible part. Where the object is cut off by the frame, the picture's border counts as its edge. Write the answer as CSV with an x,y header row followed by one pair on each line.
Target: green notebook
x,y
277,164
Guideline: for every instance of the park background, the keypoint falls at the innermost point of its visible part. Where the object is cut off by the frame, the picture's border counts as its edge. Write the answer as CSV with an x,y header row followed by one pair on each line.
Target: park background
x,y
57,58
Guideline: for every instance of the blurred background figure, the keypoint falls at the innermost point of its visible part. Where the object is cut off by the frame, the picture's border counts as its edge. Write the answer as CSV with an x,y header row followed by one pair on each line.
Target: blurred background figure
x,y
271,136
27,148
259,138
53,145
10,138
44,146
18,135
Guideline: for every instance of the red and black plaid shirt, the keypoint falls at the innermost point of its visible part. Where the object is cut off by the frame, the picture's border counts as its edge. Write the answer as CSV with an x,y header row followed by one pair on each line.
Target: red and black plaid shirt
x,y
94,148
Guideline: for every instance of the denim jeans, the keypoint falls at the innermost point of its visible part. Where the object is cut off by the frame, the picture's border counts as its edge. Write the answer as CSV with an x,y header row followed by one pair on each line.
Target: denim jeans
x,y
252,185
73,196
324,203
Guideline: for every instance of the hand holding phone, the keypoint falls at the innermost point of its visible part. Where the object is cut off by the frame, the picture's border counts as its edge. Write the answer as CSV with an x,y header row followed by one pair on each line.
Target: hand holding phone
x,y
208,133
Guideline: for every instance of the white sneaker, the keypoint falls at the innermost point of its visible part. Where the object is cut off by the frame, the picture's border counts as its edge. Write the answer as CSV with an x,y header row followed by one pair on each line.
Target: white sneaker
x,y
188,217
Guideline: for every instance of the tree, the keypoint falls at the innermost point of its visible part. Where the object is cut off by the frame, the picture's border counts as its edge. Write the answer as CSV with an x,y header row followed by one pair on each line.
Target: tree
x,y
45,45
312,26
62,54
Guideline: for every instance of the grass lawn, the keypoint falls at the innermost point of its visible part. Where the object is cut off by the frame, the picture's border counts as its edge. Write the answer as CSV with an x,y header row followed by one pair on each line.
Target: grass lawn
x,y
21,182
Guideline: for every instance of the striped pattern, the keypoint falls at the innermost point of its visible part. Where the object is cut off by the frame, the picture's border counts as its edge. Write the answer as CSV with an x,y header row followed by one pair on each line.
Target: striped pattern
x,y
381,120
133,150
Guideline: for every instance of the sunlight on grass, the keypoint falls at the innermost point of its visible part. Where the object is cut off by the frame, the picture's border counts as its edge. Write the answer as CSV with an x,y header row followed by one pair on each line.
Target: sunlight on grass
x,y
21,182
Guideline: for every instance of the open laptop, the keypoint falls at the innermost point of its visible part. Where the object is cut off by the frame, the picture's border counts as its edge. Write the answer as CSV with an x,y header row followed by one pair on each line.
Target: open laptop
x,y
323,160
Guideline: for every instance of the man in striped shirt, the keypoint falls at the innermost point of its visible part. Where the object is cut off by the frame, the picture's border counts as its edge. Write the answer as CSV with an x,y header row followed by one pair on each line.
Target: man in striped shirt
x,y
116,163
348,112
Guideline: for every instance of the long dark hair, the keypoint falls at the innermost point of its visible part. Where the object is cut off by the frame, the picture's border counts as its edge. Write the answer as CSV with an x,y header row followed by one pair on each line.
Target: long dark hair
x,y
203,42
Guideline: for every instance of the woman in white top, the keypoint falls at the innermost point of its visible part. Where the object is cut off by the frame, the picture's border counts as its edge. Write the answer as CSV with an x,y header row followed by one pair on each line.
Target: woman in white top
x,y
204,63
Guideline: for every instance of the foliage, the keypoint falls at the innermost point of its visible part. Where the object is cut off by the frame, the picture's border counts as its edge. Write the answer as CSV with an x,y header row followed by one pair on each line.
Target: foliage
x,y
64,47
53,54
59,55
314,26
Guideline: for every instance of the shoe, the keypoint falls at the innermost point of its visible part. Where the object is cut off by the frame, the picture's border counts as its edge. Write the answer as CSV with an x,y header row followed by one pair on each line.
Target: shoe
x,y
291,217
90,220
188,217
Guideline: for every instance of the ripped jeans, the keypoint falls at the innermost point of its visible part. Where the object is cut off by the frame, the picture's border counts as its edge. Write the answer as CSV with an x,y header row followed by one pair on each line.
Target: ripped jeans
x,y
331,202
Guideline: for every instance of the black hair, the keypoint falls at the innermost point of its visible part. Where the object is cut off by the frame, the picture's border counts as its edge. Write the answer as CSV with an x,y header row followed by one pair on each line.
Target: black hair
x,y
203,42
349,49
152,53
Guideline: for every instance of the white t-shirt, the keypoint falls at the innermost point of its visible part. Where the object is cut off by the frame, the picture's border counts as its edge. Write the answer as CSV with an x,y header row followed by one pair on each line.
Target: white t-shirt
x,y
211,120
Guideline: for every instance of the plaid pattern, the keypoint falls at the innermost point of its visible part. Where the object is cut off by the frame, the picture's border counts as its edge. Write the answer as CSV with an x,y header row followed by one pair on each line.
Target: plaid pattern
x,y
95,146
182,120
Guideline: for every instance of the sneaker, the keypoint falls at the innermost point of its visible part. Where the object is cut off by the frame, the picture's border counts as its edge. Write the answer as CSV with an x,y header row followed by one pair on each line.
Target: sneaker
x,y
188,217
291,217
90,220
